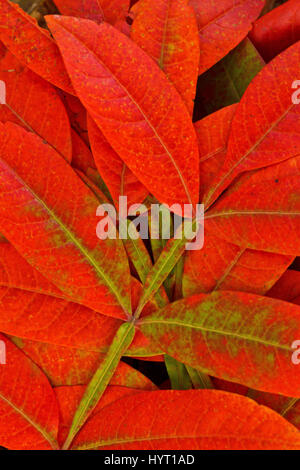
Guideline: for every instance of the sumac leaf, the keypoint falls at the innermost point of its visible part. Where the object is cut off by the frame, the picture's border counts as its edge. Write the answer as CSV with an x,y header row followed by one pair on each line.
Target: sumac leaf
x,y
213,133
235,336
167,30
220,421
262,212
28,406
100,380
32,45
273,135
118,177
276,31
223,265
56,229
69,398
151,139
288,407
42,113
222,25
89,9
71,366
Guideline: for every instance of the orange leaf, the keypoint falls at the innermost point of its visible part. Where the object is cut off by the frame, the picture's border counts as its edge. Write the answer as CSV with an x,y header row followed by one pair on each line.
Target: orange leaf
x,y
89,9
273,135
151,139
28,407
55,230
117,176
223,265
42,113
220,421
222,26
167,30
32,45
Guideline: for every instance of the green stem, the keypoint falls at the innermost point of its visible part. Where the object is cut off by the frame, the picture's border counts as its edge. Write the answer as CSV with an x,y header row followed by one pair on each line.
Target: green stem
x,y
178,375
199,379
165,263
101,379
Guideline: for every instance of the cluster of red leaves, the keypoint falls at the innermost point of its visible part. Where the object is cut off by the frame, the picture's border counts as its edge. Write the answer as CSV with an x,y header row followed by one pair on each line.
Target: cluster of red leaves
x,y
103,108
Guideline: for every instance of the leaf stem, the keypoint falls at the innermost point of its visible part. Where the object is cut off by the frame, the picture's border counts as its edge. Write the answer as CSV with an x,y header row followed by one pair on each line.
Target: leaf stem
x,y
199,379
101,379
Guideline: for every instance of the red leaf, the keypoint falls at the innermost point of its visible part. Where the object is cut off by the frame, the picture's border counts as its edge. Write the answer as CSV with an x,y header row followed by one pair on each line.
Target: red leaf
x,y
287,287
213,132
89,9
114,10
16,273
222,265
98,10
150,139
28,407
58,227
117,176
262,210
167,30
273,135
69,398
21,280
222,25
82,157
276,31
42,113
288,407
72,366
220,421
50,320
236,336
62,365
18,276
21,35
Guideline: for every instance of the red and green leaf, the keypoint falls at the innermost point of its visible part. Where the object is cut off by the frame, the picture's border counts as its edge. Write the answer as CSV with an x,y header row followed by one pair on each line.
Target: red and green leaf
x,y
235,336
64,247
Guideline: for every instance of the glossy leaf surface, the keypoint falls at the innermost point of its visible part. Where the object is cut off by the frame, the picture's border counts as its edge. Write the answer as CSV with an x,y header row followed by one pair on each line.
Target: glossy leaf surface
x,y
236,336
